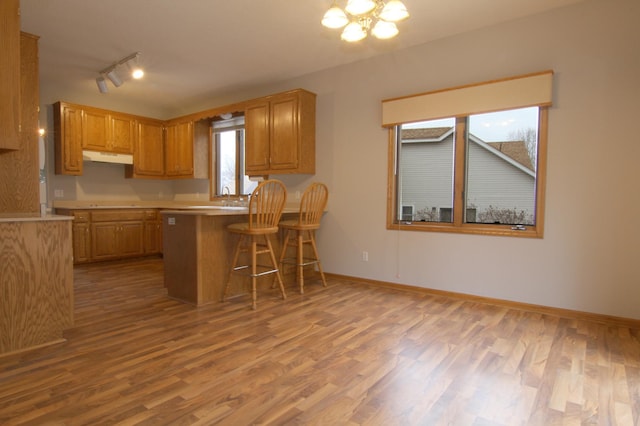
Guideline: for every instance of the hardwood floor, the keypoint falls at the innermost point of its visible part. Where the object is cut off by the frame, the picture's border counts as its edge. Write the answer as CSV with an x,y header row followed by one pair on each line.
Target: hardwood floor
x,y
348,354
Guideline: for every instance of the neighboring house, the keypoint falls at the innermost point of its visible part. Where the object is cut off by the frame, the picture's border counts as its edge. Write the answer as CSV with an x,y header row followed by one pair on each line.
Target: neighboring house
x,y
500,175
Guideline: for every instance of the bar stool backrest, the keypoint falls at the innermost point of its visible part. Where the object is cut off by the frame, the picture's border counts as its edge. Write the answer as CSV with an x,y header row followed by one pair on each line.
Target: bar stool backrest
x,y
266,204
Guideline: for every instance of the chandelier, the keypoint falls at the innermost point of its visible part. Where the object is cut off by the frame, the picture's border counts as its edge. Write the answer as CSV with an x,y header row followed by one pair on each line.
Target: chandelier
x,y
377,16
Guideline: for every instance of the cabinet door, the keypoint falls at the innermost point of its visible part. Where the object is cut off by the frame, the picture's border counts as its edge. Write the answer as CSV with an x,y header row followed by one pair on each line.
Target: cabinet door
x,y
284,143
104,240
130,239
68,140
81,243
179,150
10,74
116,239
148,157
153,237
122,132
256,130
95,130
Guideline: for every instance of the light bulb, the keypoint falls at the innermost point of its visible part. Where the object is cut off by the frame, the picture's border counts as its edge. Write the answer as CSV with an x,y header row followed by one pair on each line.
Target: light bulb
x,y
384,30
335,18
353,32
360,7
394,11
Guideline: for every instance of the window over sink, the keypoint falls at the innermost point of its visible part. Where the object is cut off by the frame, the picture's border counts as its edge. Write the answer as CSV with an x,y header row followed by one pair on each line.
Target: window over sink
x,y
227,158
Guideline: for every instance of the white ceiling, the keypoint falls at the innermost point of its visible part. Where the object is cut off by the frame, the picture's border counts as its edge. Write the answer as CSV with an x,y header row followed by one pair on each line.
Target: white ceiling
x,y
193,50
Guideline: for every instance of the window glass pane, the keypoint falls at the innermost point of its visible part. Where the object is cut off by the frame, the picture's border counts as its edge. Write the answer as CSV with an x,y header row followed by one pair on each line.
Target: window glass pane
x,y
425,171
226,149
501,167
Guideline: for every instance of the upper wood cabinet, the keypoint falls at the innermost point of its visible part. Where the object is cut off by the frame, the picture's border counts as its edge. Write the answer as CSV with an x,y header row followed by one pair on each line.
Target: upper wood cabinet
x,y
107,132
9,74
179,149
67,120
148,153
280,134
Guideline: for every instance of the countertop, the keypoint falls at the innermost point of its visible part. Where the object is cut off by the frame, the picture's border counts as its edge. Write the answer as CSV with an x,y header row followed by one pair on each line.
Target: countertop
x,y
212,208
47,218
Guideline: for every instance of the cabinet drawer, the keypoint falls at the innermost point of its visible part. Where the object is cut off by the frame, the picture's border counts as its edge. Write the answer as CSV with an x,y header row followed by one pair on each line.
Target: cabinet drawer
x,y
151,215
81,216
116,215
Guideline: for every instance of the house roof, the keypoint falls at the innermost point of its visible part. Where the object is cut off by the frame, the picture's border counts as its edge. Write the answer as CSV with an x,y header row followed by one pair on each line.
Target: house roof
x,y
435,133
516,150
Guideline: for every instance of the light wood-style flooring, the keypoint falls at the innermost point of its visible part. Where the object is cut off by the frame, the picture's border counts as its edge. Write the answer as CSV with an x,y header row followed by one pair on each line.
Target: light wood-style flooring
x,y
348,354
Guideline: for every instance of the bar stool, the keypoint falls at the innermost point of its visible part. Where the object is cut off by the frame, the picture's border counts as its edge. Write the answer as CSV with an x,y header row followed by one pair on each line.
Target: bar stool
x,y
265,209
301,231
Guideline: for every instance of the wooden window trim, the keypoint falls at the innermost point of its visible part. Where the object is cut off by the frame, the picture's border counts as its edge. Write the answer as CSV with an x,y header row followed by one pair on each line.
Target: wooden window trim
x,y
458,226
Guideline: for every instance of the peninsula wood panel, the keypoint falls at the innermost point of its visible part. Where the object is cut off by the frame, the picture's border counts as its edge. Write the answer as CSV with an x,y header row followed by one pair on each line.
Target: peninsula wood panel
x,y
36,283
197,256
19,171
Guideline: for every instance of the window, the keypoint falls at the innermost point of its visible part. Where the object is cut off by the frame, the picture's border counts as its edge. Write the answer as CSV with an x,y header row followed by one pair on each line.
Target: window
x,y
472,172
228,158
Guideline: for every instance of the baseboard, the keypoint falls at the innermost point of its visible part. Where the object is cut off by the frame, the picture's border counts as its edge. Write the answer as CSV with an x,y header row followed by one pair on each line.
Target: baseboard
x,y
559,312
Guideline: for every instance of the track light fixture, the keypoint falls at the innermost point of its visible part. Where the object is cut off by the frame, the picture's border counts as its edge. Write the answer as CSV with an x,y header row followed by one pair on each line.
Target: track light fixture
x,y
116,76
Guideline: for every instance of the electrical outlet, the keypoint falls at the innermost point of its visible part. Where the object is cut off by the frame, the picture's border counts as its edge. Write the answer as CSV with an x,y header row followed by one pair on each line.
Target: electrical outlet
x,y
297,195
365,256
58,193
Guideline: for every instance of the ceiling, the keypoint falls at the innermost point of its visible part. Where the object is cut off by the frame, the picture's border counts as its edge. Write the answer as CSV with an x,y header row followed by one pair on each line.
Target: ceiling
x,y
193,50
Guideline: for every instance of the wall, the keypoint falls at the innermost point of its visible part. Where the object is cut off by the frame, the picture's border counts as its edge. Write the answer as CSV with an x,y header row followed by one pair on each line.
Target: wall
x,y
587,258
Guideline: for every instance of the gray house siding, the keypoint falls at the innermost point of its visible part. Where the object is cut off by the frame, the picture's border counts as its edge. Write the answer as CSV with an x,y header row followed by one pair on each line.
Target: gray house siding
x,y
426,180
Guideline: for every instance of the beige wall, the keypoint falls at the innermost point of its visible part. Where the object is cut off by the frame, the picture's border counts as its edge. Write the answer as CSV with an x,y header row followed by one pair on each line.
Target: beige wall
x,y
587,259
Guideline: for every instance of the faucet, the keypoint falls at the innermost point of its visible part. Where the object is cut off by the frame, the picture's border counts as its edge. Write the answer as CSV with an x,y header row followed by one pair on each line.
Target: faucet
x,y
228,194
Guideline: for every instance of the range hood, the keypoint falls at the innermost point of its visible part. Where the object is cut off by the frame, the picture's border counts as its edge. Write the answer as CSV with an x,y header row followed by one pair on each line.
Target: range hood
x,y
107,157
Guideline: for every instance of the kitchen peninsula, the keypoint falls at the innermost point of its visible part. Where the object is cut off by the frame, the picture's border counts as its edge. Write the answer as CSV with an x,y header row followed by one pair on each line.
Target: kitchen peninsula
x,y
198,249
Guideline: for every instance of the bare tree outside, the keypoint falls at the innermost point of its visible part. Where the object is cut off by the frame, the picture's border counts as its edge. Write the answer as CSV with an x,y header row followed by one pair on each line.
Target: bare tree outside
x,y
530,138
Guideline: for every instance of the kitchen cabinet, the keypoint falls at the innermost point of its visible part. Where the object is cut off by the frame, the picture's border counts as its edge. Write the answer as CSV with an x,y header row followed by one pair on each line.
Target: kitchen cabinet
x,y
280,134
152,232
67,120
108,234
107,132
149,153
81,232
10,74
116,234
179,149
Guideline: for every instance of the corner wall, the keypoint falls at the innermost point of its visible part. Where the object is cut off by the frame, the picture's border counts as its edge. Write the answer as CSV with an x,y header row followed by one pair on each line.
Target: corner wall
x,y
588,259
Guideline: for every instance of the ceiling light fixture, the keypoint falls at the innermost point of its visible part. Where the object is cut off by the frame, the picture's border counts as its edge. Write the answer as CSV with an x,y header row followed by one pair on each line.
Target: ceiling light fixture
x,y
360,16
113,74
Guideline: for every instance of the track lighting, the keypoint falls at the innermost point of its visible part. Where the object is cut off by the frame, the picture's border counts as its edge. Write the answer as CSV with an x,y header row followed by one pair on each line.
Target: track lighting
x,y
117,76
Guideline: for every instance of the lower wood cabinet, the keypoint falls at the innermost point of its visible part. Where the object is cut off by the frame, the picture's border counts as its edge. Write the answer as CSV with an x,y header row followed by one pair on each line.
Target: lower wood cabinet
x,y
109,234
152,232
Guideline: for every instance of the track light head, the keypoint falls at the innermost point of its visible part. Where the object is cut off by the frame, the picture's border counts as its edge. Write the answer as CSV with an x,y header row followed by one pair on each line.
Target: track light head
x,y
113,76
102,84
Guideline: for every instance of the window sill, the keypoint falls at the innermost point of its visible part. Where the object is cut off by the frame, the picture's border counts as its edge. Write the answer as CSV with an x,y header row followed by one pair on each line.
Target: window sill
x,y
468,228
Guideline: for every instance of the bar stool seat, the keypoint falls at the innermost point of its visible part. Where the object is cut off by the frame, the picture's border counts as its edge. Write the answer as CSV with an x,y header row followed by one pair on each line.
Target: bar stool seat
x,y
265,209
301,231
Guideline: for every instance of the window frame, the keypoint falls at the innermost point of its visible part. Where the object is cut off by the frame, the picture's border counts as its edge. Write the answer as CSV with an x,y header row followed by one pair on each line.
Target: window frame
x,y
459,178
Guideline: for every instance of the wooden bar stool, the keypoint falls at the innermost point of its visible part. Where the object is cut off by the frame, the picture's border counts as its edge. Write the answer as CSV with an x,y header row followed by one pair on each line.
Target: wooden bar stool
x,y
301,231
265,209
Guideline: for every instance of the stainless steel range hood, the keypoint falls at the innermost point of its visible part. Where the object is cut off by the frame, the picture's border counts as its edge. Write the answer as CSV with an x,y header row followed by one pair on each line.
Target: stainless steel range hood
x,y
107,157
